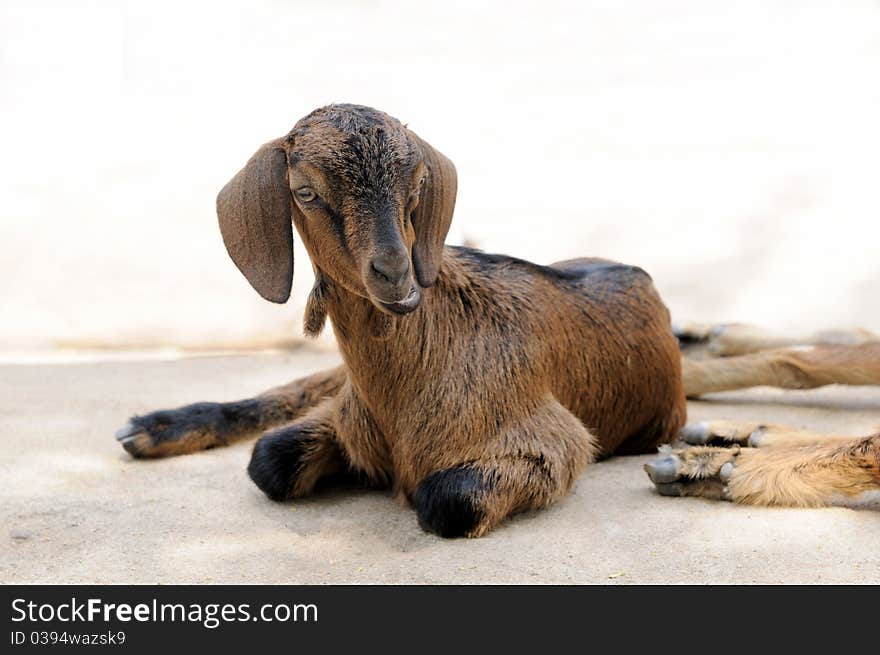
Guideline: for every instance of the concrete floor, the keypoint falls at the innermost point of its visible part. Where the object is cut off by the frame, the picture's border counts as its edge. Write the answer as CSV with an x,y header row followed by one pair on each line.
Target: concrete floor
x,y
75,508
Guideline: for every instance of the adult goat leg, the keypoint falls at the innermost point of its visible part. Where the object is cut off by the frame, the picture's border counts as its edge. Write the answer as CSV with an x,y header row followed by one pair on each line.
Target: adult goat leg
x,y
750,433
732,339
205,425
836,472
788,369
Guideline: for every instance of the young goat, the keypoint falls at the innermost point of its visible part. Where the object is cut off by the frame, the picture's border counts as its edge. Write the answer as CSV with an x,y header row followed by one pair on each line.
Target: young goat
x,y
477,385
761,464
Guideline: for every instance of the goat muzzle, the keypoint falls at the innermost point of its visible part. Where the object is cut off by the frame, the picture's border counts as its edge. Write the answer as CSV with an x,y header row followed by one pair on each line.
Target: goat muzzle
x,y
406,304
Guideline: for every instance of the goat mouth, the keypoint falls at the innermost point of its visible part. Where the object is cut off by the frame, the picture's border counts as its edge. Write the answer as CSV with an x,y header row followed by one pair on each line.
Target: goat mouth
x,y
404,306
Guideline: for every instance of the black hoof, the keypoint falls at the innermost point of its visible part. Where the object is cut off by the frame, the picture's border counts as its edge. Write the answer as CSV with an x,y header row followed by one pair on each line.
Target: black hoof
x,y
448,502
276,461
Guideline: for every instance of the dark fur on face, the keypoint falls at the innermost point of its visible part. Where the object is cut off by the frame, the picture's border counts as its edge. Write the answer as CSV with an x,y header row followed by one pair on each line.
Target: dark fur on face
x,y
366,152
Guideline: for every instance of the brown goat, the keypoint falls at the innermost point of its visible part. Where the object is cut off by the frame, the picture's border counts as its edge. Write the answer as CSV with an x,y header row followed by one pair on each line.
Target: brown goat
x,y
476,385
760,464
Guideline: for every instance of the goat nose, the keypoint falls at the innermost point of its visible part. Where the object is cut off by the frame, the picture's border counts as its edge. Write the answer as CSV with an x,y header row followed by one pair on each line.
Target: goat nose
x,y
390,268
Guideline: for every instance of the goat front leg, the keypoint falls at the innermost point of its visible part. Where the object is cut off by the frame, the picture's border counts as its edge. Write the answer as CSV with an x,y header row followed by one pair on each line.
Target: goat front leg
x,y
207,425
834,473
534,464
337,438
786,369
288,462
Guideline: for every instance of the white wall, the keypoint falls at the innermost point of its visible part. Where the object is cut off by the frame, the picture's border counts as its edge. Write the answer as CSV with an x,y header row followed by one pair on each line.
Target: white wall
x,y
731,149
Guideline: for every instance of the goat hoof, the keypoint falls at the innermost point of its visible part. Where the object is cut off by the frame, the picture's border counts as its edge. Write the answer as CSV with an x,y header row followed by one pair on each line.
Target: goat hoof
x,y
136,442
670,489
757,438
696,434
689,333
447,502
696,471
662,471
725,472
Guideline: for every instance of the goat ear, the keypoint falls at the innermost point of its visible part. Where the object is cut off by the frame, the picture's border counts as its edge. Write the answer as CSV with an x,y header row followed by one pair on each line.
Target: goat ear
x,y
254,209
432,216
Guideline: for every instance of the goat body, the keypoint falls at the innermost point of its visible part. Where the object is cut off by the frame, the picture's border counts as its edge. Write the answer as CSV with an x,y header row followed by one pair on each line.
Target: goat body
x,y
476,385
500,356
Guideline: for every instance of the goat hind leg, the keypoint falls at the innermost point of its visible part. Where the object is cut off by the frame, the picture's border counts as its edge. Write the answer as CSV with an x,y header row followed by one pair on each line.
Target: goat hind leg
x,y
702,340
205,425
785,369
732,339
749,433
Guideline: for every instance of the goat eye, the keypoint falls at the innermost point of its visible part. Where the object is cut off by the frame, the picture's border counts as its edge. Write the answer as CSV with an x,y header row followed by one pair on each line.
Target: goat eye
x,y
306,194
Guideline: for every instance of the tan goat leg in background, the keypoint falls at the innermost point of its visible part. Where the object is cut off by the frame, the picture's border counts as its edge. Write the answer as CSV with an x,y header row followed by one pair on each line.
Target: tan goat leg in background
x,y
833,473
730,339
750,433
787,369
206,425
